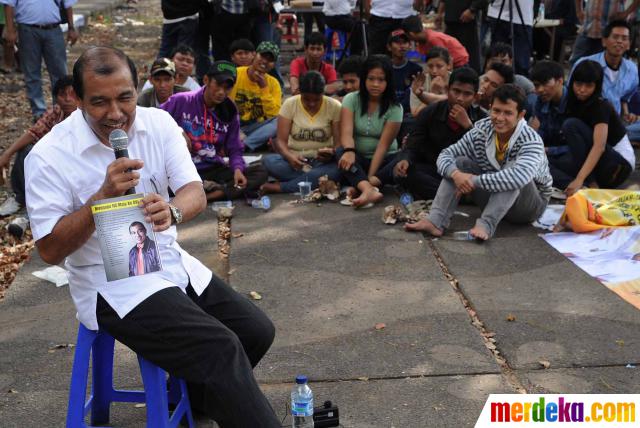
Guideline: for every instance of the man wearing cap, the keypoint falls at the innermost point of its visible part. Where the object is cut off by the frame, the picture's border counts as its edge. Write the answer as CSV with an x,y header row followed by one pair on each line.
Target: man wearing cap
x,y
427,38
39,37
314,50
404,70
258,97
163,82
210,122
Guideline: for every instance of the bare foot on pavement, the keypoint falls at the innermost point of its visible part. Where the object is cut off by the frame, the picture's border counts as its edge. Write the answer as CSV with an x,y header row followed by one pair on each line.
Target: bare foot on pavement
x,y
423,225
479,233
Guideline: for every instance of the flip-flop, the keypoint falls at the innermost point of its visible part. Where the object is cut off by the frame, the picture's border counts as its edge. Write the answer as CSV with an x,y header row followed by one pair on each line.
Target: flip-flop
x,y
347,202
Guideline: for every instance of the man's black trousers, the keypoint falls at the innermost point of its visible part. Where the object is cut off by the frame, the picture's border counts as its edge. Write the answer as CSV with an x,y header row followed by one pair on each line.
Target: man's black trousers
x,y
213,341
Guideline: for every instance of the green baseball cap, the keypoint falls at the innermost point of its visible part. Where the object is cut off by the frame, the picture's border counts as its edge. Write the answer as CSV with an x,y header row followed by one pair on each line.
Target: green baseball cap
x,y
223,71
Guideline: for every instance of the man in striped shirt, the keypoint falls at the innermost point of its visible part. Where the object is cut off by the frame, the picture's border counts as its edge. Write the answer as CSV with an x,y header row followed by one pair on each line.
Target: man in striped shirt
x,y
500,163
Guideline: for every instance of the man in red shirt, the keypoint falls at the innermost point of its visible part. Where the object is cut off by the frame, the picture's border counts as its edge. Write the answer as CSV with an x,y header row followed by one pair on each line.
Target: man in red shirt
x,y
426,39
314,50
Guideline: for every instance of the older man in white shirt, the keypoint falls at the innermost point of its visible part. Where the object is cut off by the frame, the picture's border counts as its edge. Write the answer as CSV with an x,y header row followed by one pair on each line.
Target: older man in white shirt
x,y
183,318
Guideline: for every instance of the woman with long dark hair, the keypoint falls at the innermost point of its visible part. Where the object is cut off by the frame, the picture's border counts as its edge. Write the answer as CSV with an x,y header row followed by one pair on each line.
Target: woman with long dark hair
x,y
601,153
369,123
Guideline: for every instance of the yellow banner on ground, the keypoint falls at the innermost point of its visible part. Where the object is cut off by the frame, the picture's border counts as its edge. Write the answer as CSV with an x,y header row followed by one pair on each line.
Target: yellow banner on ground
x,y
592,209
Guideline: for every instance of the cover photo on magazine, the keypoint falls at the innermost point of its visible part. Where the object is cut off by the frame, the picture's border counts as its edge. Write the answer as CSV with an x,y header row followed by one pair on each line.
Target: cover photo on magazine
x,y
127,241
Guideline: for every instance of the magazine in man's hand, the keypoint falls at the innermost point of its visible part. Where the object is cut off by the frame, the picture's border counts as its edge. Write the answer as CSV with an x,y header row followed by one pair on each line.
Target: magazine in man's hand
x,y
127,241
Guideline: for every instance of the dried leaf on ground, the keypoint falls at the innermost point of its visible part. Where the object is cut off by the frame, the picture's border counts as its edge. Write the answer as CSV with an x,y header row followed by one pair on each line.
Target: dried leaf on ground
x,y
511,317
380,326
255,295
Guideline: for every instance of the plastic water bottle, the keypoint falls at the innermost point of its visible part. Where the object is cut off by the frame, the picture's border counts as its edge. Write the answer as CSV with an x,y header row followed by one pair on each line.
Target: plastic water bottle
x,y
263,203
541,11
406,199
302,404
463,235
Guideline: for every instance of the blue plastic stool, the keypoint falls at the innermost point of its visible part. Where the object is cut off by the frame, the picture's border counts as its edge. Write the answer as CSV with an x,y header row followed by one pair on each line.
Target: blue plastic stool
x,y
100,346
331,51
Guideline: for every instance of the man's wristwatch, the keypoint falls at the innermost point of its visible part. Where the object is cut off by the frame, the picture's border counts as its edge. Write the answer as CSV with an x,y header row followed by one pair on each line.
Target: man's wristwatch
x,y
176,214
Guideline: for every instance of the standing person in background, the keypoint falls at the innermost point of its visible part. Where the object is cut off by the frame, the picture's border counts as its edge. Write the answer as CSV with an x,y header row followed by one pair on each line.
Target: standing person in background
x,y
179,24
8,55
521,16
338,16
459,17
231,21
384,17
595,17
39,37
565,11
309,17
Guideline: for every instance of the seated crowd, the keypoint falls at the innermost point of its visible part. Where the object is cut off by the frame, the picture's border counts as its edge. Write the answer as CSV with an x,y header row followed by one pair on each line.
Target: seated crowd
x,y
503,140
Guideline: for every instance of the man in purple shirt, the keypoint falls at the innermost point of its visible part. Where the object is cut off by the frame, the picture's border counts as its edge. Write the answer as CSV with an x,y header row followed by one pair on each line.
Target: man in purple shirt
x,y
211,126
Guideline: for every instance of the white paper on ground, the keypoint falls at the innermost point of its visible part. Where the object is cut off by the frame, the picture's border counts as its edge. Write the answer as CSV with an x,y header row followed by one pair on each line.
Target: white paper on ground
x,y
247,159
549,217
54,274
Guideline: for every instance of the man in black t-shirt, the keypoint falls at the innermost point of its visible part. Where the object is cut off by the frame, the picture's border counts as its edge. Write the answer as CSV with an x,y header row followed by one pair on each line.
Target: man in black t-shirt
x,y
437,127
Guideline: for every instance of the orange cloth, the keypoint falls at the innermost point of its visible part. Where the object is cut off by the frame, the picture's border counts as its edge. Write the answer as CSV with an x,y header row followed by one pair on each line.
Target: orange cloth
x,y
593,209
458,53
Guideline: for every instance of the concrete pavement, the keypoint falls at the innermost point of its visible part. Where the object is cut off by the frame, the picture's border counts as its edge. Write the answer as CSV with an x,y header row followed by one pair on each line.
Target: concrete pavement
x,y
328,275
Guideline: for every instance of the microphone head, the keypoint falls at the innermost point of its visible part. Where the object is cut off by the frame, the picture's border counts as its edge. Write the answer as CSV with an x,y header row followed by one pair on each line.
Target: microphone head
x,y
118,139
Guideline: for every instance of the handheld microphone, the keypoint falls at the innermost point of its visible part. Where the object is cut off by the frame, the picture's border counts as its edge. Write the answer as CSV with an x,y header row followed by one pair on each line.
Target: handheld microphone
x,y
119,141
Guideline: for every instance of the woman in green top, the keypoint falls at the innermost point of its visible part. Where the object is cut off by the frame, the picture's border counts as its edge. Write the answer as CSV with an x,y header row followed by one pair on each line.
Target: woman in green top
x,y
369,122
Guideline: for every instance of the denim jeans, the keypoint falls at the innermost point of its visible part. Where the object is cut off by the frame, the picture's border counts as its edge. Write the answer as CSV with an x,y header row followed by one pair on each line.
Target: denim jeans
x,y
523,205
178,33
279,168
36,44
585,46
259,133
633,131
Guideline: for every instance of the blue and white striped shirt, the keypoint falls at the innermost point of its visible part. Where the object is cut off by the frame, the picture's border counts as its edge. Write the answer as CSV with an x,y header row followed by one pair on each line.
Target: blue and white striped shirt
x,y
525,159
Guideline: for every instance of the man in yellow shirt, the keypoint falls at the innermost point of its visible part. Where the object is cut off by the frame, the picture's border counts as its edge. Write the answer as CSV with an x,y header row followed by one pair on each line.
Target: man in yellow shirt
x,y
258,97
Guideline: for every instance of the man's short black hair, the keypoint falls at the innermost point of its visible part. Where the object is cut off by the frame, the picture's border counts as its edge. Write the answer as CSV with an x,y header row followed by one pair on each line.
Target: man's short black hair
x,y
412,24
139,224
315,38
499,49
503,70
184,50
241,45
465,75
543,71
438,52
351,65
510,92
61,84
614,24
101,60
